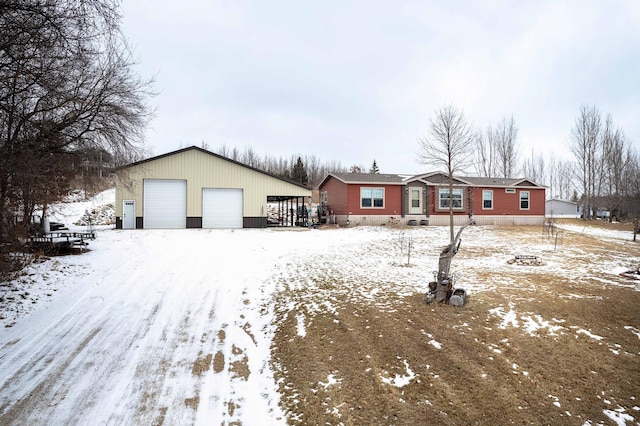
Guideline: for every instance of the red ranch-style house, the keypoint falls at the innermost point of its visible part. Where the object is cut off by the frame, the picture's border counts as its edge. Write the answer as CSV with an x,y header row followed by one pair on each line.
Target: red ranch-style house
x,y
378,199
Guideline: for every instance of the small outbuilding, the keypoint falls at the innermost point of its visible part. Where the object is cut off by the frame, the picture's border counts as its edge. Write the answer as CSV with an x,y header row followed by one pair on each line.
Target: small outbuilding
x,y
556,208
196,188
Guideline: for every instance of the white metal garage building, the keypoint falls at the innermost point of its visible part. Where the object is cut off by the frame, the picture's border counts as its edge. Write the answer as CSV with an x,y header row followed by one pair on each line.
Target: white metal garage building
x,y
195,188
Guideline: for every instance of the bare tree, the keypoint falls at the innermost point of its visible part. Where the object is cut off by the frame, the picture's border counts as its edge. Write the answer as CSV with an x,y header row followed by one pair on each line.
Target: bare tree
x,y
585,138
534,167
614,160
565,184
632,181
485,161
506,135
66,85
448,146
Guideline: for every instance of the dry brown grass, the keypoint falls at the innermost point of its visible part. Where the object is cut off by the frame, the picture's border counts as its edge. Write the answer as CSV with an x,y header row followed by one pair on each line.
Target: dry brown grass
x,y
464,366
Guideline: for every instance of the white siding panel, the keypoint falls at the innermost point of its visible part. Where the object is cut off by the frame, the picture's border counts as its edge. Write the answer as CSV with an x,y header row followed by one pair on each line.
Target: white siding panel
x,y
165,204
221,208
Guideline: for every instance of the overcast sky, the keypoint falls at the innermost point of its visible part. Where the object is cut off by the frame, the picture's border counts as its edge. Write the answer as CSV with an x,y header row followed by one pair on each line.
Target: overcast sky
x,y
351,81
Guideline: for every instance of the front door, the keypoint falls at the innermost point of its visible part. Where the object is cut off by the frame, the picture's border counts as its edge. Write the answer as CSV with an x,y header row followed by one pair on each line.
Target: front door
x,y
415,200
128,214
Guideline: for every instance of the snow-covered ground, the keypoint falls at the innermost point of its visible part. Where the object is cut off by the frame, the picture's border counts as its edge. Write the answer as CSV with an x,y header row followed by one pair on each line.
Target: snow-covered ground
x,y
175,326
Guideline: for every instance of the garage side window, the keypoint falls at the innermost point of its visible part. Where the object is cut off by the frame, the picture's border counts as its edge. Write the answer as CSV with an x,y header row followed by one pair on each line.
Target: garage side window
x,y
372,198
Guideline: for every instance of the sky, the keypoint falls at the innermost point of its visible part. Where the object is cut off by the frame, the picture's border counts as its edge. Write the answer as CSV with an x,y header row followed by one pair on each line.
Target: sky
x,y
355,81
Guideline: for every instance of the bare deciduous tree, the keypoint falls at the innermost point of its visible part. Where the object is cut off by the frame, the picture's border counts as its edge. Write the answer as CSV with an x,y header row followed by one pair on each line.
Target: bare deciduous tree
x,y
449,146
534,167
614,160
67,85
485,152
506,135
585,139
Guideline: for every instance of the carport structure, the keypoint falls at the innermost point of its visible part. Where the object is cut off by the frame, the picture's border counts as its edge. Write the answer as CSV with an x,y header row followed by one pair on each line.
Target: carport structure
x,y
195,188
288,210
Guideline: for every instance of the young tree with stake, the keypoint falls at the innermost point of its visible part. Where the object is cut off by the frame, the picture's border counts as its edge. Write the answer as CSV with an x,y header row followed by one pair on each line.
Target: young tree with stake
x,y
449,145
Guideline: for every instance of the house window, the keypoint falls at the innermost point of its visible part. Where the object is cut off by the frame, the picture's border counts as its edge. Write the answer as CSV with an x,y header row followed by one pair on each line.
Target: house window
x,y
372,198
487,200
524,200
444,198
415,198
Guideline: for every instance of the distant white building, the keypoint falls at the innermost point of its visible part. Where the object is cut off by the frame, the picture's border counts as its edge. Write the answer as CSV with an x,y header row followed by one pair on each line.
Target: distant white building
x,y
562,208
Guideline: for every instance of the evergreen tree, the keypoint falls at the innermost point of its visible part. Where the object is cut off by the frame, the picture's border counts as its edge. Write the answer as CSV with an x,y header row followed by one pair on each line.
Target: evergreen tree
x,y
299,172
374,168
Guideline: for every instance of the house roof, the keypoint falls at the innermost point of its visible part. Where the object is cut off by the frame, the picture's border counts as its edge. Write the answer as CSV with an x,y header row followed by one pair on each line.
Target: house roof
x,y
558,200
501,182
379,178
433,178
204,151
440,177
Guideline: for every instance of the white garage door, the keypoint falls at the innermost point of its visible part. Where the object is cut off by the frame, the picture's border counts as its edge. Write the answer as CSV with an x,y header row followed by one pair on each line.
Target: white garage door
x,y
165,203
221,208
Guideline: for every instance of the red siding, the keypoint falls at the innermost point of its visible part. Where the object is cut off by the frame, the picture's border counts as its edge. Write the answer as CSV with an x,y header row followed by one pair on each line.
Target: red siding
x,y
337,195
392,200
344,199
509,204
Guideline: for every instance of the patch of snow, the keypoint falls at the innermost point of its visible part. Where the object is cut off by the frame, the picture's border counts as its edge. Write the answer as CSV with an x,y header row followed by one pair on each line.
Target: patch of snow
x,y
331,380
589,334
533,323
508,317
302,331
618,416
598,232
633,330
398,380
435,344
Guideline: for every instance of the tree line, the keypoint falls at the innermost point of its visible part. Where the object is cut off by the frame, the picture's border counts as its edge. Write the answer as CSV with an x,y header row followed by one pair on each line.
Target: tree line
x,y
604,173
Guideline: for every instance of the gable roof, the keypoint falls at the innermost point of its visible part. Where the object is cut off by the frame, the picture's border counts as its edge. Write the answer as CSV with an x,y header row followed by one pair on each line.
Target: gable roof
x,y
558,200
501,182
432,178
374,178
213,154
436,178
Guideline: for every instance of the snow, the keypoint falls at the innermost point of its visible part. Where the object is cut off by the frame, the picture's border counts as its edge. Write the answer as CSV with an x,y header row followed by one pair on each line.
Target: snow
x,y
594,231
331,380
619,416
435,344
398,380
177,325
633,330
590,334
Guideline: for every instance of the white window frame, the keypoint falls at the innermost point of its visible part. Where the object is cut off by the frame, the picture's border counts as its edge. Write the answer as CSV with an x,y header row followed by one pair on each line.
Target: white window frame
x,y
528,200
372,198
411,199
490,199
441,199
